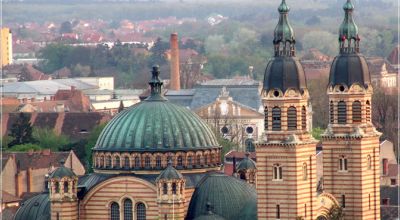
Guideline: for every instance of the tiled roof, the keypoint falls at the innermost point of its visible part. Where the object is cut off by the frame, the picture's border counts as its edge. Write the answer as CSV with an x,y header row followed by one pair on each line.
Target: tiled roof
x,y
37,159
393,57
391,193
7,197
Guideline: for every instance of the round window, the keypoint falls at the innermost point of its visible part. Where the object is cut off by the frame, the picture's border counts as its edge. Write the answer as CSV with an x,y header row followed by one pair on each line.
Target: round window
x,y
276,93
224,130
341,88
249,130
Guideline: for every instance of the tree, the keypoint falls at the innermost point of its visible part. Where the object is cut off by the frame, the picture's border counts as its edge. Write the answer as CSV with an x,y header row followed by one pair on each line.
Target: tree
x,y
319,101
324,41
214,44
48,139
66,27
157,56
91,142
335,213
21,130
24,147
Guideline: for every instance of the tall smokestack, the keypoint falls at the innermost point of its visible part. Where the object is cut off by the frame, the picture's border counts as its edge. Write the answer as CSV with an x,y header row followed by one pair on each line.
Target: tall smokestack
x,y
175,76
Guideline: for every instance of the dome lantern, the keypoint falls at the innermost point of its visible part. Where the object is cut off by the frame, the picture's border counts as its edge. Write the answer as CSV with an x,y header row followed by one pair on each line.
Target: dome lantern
x,y
284,40
348,31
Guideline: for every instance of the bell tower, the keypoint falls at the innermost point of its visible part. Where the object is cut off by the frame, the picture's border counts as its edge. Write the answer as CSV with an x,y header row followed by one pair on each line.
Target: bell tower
x,y
351,143
171,194
286,162
63,194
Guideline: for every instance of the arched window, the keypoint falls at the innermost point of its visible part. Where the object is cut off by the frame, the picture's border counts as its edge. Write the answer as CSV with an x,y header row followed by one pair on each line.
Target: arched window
x,y
170,159
126,163
276,119
102,161
165,188
343,163
158,162
278,212
304,171
137,162
174,188
356,111
266,118
140,211
180,163
331,113
189,160
147,162
128,215
277,172
343,201
57,187
206,159
342,112
114,211
198,160
108,161
385,166
303,118
66,187
292,118
242,175
117,162
368,162
368,111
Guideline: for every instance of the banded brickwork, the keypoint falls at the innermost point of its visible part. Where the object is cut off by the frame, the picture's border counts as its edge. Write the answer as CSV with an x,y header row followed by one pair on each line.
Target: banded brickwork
x,y
96,204
65,210
294,194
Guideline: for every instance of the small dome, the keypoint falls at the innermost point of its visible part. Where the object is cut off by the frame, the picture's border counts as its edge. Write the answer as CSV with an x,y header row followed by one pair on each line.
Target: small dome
x,y
284,73
348,69
283,7
170,173
228,196
35,208
62,172
156,125
246,164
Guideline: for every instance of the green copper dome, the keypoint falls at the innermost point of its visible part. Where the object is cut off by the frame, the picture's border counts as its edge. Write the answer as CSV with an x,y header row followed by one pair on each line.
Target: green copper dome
x,y
170,173
35,208
283,31
246,164
156,124
62,172
230,198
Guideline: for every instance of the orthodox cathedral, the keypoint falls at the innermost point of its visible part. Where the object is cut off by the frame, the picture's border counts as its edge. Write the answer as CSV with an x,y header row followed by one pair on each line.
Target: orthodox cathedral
x,y
157,160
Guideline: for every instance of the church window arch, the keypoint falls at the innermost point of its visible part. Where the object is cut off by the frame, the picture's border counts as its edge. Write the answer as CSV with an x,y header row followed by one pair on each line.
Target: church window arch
x,y
277,172
114,212
126,162
266,118
305,174
108,161
292,118
356,110
342,112
276,119
140,211
303,118
342,163
128,215
331,113
368,162
368,111
117,162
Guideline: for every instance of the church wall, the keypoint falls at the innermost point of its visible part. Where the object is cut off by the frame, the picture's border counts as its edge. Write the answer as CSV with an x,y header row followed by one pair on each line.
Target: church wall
x,y
96,204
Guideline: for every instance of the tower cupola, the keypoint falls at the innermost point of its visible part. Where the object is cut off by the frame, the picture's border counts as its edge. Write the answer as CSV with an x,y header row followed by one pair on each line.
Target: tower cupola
x,y
284,40
348,31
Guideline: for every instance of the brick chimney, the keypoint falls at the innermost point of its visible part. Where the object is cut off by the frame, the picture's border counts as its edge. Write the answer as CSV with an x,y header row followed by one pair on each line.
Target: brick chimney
x,y
175,76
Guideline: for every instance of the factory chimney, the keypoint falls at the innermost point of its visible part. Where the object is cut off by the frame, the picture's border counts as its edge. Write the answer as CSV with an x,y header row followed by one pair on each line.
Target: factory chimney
x,y
175,76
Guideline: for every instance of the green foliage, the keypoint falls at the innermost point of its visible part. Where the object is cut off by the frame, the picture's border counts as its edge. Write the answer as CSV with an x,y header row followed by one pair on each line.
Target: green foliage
x,y
24,147
226,145
324,41
78,148
335,213
90,143
157,56
6,140
48,139
21,131
316,133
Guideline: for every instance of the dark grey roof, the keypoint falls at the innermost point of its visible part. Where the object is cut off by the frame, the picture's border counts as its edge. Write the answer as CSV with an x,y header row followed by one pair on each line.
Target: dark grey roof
x,y
35,208
391,193
247,95
169,173
348,69
246,163
284,73
62,172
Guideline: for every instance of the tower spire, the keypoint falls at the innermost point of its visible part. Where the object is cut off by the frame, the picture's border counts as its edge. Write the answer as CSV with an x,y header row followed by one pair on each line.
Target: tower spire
x,y
348,31
284,40
155,85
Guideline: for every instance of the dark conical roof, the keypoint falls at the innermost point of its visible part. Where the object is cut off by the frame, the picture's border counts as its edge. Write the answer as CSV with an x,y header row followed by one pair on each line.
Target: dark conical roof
x,y
170,173
35,208
284,73
62,172
348,69
228,196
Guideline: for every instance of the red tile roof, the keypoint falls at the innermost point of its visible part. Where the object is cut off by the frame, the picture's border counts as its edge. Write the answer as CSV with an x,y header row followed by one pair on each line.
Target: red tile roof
x,y
37,159
7,197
